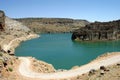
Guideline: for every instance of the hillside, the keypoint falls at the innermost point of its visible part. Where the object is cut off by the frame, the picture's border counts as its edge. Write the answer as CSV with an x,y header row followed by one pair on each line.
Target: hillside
x,y
52,25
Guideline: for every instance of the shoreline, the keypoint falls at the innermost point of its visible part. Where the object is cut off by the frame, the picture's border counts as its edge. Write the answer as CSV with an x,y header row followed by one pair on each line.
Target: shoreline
x,y
57,75
16,42
106,61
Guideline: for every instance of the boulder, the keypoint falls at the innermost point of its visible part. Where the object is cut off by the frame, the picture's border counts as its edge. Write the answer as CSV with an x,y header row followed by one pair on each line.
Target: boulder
x,y
103,68
92,71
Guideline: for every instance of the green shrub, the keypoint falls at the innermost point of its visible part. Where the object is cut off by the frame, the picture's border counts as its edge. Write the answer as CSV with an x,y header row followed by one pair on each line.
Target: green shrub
x,y
1,54
10,69
11,63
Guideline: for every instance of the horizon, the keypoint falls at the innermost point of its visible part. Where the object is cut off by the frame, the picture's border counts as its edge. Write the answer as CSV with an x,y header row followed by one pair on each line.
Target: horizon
x,y
64,18
94,10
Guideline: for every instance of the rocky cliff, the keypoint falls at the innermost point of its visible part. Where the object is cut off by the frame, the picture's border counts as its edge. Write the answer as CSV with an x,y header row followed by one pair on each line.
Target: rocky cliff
x,y
98,31
52,25
2,20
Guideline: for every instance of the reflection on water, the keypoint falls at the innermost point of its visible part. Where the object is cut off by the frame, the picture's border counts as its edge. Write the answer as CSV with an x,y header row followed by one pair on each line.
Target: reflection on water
x,y
62,52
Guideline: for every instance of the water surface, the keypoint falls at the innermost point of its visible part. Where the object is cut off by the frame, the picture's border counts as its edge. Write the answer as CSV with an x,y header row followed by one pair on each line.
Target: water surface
x,y
59,50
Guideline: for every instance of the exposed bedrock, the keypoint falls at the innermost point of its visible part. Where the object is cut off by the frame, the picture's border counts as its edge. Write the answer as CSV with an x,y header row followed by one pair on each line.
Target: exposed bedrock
x,y
98,31
2,20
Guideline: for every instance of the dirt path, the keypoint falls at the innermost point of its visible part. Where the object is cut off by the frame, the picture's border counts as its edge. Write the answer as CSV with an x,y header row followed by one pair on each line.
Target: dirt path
x,y
27,72
6,47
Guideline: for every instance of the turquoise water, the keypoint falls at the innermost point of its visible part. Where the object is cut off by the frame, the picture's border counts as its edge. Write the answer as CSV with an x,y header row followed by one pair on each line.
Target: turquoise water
x,y
59,50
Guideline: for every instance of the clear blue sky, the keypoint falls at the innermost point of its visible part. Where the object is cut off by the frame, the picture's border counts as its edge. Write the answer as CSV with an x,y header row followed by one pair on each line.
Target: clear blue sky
x,y
91,10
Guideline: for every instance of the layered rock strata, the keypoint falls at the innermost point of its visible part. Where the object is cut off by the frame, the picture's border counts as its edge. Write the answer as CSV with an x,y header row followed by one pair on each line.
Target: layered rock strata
x,y
98,31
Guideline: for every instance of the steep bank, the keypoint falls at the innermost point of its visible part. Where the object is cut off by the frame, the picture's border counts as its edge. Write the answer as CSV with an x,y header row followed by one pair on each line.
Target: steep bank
x,y
14,33
98,31
52,25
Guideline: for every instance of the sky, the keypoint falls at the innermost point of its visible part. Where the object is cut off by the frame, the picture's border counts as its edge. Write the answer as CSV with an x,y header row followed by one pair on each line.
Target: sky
x,y
91,10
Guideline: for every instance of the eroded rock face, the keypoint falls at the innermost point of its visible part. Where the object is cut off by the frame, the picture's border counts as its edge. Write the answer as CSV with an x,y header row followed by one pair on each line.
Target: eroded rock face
x,y
2,20
98,31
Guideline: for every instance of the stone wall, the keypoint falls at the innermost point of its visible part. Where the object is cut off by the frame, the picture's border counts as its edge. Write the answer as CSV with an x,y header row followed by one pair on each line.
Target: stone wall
x,y
2,20
98,31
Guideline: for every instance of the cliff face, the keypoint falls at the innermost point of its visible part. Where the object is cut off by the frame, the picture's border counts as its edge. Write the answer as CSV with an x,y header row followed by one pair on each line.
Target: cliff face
x,y
98,31
52,25
2,20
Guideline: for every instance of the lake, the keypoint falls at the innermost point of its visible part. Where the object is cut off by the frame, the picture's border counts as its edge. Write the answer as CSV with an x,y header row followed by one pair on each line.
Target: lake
x,y
59,50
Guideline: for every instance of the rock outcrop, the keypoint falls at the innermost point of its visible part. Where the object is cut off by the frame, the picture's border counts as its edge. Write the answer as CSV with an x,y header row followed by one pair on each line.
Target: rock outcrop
x,y
98,31
52,25
2,20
